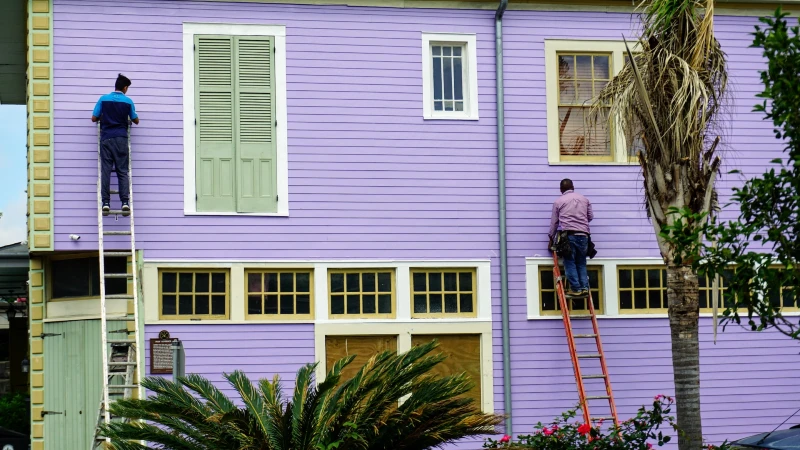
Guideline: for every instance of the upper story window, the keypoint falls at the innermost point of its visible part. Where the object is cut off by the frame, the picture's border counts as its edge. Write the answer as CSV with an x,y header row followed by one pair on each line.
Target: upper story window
x,y
449,76
576,72
235,158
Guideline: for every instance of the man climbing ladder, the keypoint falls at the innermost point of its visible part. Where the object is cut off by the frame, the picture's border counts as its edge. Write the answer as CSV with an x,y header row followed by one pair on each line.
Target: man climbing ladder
x,y
113,111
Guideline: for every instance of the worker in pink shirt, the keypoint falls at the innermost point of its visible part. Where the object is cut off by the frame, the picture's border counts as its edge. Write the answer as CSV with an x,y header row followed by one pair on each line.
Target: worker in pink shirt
x,y
572,213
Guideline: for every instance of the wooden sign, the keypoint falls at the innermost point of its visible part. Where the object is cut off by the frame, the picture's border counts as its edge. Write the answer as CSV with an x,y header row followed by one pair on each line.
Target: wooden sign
x,y
161,354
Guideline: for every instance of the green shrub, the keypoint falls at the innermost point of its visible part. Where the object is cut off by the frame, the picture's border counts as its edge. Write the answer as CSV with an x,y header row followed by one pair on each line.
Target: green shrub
x,y
15,412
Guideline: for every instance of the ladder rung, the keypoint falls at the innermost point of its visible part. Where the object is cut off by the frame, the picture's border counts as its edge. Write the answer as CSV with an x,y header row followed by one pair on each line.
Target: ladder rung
x,y
119,212
575,335
117,275
123,386
122,363
121,341
117,233
602,418
117,253
592,355
598,397
591,377
118,296
580,316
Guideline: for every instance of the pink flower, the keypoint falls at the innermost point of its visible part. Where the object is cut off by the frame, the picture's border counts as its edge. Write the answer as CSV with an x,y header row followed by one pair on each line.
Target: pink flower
x,y
649,446
547,431
505,439
584,429
659,397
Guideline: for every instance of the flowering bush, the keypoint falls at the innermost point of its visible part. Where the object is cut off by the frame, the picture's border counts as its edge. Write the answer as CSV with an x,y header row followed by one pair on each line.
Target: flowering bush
x,y
642,432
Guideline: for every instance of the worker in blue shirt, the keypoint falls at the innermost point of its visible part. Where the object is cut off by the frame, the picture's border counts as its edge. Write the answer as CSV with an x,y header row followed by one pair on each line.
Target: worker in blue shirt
x,y
113,111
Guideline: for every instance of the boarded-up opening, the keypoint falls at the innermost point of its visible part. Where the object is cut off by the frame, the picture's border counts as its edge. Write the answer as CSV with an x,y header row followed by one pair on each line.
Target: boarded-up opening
x,y
364,347
463,353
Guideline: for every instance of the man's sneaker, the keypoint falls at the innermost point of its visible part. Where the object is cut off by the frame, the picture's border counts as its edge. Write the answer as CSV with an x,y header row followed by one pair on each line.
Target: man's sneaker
x,y
573,294
126,209
585,293
106,209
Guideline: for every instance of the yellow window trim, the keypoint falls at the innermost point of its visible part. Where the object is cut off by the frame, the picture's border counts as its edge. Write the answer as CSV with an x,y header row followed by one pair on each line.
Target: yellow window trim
x,y
377,315
457,270
286,317
580,47
557,312
194,270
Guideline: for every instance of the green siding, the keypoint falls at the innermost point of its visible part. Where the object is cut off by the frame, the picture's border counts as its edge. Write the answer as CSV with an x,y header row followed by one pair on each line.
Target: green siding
x,y
236,143
72,382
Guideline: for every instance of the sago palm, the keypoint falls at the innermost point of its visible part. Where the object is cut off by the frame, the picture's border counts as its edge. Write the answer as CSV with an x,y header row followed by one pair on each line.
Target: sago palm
x,y
359,413
670,101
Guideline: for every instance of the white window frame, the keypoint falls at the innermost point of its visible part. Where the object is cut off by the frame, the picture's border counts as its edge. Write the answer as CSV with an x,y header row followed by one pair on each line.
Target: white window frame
x,y
402,325
470,81
551,49
189,147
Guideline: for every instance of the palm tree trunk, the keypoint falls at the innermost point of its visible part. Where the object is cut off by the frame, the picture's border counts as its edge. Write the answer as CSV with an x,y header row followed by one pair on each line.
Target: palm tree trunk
x,y
684,310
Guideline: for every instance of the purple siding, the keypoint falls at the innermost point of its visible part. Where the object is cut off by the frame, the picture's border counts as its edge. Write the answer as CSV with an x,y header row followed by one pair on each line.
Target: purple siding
x,y
260,350
368,178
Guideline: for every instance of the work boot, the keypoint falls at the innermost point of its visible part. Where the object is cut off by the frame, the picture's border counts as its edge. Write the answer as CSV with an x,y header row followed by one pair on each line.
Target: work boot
x,y
106,208
126,209
585,293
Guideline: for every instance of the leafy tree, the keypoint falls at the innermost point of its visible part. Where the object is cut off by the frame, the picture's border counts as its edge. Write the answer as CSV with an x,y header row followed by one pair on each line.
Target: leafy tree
x,y
759,253
359,413
669,101
15,412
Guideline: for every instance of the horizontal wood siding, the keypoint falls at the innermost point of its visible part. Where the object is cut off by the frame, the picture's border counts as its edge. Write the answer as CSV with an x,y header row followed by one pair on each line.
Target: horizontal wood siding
x,y
260,350
362,161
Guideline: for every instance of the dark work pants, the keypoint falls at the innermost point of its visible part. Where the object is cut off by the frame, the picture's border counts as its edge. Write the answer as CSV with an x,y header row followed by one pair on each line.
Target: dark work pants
x,y
114,152
575,266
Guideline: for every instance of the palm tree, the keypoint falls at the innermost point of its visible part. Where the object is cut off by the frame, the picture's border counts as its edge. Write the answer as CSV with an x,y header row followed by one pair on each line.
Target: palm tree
x,y
359,413
670,100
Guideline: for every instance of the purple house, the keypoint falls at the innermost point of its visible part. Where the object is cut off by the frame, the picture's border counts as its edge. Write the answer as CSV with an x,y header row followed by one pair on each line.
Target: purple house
x,y
314,179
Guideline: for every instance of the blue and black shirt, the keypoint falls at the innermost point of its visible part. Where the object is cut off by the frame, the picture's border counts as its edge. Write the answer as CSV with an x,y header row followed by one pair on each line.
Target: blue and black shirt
x,y
114,109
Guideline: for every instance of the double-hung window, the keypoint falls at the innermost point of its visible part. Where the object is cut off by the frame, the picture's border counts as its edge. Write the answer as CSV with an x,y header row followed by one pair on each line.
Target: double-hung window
x,y
450,76
234,114
576,72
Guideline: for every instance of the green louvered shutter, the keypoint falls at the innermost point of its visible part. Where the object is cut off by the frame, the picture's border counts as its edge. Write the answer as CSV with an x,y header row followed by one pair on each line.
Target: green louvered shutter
x,y
255,124
214,101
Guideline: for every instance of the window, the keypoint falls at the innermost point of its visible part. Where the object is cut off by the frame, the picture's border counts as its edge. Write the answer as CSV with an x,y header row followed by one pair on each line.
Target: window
x,y
705,288
576,72
80,277
235,119
193,294
361,293
642,289
363,347
463,353
547,292
279,294
450,76
443,293
783,297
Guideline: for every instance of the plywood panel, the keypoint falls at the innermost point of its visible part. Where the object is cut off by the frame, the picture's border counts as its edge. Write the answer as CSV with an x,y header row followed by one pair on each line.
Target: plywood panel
x,y
364,347
463,353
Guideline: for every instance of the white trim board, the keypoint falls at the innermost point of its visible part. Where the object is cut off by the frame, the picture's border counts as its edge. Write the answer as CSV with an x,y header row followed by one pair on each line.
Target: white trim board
x,y
320,268
189,166
470,81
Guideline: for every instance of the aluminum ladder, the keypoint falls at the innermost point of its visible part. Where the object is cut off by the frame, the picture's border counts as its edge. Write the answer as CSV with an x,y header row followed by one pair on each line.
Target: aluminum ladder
x,y
122,353
595,355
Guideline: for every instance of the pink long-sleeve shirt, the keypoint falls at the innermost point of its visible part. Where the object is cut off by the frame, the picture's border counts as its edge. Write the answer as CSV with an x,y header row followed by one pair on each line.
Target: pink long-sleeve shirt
x,y
571,211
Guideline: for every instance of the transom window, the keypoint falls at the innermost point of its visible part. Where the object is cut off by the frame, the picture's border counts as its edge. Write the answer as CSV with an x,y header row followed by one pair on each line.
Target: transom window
x,y
80,277
642,289
361,293
187,294
450,76
549,299
279,294
443,293
581,77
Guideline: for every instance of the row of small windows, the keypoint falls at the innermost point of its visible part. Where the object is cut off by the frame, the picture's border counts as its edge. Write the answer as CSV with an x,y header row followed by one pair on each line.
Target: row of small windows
x,y
641,290
289,294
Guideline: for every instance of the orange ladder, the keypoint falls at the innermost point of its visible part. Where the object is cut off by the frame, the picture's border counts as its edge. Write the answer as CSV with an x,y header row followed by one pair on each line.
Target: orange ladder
x,y
577,357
